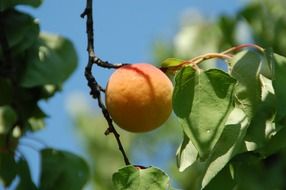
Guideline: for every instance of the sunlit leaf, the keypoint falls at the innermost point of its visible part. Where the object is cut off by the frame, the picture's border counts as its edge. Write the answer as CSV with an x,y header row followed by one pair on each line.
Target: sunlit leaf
x,y
52,62
131,178
171,62
49,91
261,127
229,144
36,123
62,170
7,118
186,154
245,69
203,100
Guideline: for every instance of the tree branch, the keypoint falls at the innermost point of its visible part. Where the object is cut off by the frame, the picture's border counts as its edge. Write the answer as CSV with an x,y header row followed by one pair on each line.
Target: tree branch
x,y
95,88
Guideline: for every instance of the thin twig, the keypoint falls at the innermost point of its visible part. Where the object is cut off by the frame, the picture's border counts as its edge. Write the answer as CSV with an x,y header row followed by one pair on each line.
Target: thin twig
x,y
225,55
108,65
196,60
242,46
95,88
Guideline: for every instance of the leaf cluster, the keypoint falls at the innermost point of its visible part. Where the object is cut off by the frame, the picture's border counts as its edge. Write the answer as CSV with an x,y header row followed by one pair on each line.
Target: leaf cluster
x,y
33,67
233,117
225,115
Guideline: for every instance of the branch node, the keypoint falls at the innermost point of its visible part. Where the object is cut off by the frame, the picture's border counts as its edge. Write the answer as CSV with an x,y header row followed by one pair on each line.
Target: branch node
x,y
107,132
83,14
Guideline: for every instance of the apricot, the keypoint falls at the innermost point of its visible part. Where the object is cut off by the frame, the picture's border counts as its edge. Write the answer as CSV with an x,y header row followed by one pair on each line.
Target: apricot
x,y
139,97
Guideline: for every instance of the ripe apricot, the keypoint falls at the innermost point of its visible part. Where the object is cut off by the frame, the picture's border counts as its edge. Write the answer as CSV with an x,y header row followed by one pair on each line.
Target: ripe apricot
x,y
139,97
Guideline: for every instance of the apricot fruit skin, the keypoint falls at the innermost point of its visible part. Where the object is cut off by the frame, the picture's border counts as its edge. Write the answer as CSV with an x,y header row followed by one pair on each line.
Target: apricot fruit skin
x,y
139,97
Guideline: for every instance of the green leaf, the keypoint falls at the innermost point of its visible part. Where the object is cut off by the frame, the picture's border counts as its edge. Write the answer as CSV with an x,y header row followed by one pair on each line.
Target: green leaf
x,y
131,178
203,100
275,144
223,180
54,62
6,92
279,83
49,91
253,173
7,118
25,176
5,4
8,168
266,67
21,29
246,65
186,154
35,118
171,62
248,171
36,123
261,127
27,98
229,144
62,170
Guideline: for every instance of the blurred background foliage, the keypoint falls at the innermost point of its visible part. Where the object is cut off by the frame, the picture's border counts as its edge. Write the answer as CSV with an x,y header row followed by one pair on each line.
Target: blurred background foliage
x,y
34,65
262,22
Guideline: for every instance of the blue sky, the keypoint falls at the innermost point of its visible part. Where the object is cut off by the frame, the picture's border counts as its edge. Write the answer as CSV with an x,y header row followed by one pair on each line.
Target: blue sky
x,y
124,32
